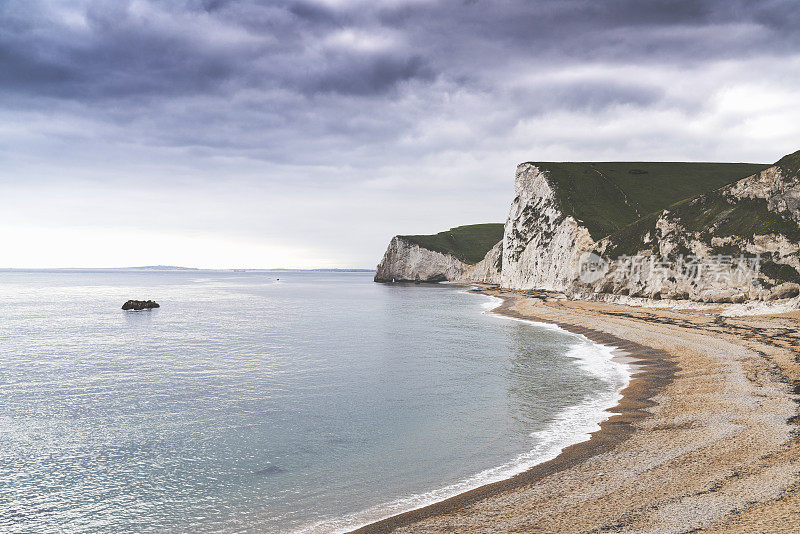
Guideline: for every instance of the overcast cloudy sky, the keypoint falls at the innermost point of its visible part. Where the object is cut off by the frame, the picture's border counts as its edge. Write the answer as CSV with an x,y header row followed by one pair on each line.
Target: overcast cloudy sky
x,y
248,133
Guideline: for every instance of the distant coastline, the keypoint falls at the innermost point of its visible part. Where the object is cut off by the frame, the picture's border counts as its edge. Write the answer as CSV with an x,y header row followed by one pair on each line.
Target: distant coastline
x,y
151,268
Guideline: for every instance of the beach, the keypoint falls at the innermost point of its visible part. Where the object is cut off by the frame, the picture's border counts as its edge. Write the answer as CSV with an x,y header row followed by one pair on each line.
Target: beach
x,y
704,439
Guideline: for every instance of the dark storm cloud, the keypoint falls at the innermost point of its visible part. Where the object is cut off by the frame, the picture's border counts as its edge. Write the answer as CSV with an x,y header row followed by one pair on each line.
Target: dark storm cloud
x,y
216,45
597,96
314,12
213,5
265,76
330,125
368,75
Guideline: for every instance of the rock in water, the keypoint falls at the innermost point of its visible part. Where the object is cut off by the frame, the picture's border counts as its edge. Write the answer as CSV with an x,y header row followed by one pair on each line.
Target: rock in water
x,y
138,305
271,470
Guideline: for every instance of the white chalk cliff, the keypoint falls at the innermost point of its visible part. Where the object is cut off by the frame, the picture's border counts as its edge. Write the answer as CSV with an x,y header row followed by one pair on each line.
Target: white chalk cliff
x,y
775,209
542,246
405,261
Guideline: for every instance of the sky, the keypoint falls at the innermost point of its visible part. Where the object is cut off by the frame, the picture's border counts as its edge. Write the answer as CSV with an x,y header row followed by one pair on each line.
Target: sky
x,y
306,133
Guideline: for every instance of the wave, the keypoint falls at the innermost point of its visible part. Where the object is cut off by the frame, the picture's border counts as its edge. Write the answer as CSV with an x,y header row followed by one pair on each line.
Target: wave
x,y
568,427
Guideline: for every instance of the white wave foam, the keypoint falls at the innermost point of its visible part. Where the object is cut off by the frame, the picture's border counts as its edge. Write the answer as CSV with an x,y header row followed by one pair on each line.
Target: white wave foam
x,y
492,303
570,426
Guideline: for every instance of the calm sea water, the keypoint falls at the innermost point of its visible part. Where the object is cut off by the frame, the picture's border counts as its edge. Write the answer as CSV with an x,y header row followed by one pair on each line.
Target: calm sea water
x,y
316,402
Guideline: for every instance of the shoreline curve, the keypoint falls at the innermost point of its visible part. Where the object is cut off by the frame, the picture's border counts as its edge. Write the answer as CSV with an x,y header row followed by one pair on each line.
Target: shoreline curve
x,y
652,370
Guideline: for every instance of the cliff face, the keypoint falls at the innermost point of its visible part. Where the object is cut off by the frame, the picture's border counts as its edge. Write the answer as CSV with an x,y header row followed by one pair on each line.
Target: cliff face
x,y
488,270
405,261
739,241
736,244
541,244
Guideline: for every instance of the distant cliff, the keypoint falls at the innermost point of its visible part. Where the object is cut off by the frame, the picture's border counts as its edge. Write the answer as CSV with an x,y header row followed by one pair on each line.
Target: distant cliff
x,y
649,230
463,253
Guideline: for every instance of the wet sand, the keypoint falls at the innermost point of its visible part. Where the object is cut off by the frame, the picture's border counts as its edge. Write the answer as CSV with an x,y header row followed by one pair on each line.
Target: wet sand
x,y
706,437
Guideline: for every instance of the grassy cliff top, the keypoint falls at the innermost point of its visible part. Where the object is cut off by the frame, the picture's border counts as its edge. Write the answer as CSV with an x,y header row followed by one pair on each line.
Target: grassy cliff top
x,y
711,215
605,197
790,164
467,243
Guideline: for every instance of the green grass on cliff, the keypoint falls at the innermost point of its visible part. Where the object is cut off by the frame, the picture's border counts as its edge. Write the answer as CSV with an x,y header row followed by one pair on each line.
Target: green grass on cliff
x,y
790,164
606,197
709,215
467,243
712,214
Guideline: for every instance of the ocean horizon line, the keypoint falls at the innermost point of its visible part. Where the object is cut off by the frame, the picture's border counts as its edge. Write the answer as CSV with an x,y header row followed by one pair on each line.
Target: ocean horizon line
x,y
181,268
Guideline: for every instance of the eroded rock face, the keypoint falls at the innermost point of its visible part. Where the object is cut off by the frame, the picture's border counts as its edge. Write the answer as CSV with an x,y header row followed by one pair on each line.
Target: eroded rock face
x,y
139,305
776,194
541,245
781,192
488,269
405,261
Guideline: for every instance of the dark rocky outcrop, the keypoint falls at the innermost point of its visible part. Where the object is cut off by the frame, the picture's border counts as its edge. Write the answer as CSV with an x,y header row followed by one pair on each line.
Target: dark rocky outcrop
x,y
271,470
138,305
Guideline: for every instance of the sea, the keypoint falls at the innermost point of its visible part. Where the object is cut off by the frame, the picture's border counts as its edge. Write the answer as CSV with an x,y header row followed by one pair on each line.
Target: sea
x,y
272,401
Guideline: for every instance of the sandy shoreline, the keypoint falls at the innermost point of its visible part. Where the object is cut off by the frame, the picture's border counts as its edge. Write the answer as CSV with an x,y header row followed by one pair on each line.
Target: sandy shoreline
x,y
705,437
